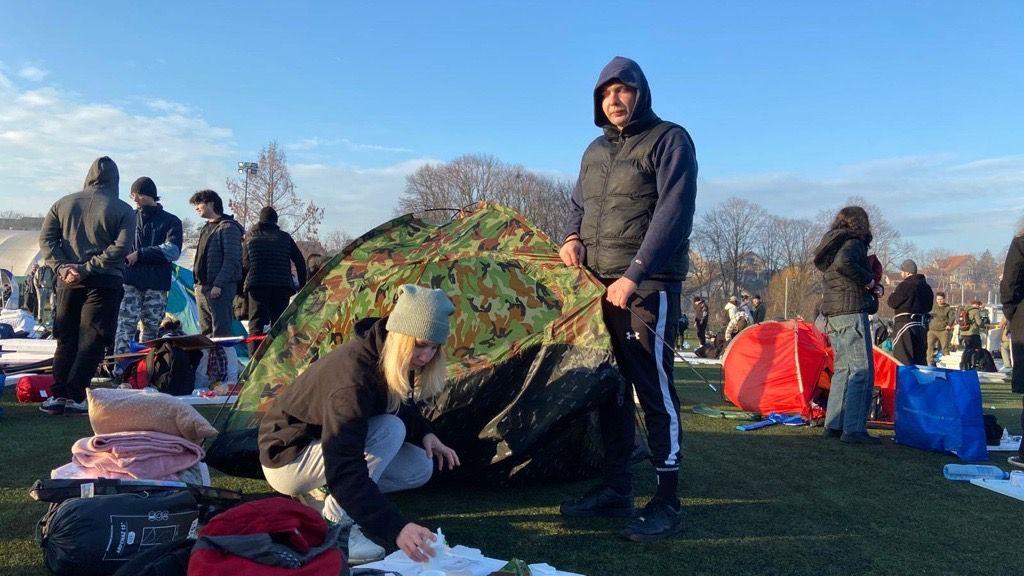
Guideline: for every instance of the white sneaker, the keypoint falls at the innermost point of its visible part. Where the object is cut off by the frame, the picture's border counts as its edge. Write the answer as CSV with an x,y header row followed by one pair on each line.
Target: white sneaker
x,y
361,549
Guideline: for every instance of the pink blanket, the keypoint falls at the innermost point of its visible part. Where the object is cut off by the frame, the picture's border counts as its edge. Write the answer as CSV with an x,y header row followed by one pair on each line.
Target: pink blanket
x,y
144,455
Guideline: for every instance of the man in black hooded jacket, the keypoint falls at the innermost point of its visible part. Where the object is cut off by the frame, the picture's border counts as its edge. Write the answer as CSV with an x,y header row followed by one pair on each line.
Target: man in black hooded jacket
x,y
268,254
630,222
85,237
911,301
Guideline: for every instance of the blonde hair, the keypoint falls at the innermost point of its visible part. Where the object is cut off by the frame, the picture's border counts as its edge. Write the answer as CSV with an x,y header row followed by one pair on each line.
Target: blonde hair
x,y
394,364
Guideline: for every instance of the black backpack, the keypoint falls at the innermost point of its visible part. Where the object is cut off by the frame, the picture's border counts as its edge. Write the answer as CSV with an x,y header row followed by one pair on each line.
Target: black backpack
x,y
172,370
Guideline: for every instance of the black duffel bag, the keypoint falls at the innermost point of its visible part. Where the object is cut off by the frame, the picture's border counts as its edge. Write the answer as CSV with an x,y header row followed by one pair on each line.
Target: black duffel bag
x,y
96,536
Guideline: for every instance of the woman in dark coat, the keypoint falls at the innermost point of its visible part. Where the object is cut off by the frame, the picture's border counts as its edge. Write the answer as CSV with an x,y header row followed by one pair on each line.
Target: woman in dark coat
x,y
1011,294
848,298
348,424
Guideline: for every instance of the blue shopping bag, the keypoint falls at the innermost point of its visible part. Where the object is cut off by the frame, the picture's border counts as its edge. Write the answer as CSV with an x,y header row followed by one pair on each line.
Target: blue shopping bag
x,y
938,409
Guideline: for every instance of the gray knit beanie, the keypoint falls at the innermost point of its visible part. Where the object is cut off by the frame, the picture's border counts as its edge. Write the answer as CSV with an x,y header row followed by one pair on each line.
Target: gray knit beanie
x,y
422,313
909,266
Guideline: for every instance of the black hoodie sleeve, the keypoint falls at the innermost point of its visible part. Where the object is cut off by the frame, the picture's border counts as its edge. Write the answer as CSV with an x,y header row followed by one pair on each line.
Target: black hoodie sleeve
x,y
343,440
902,297
675,164
575,211
299,261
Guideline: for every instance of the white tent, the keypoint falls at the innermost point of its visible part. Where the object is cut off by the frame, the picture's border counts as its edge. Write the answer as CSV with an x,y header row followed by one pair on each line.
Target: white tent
x,y
19,249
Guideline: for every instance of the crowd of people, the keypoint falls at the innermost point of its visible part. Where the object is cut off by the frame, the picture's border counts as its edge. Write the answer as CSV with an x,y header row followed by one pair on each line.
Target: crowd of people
x,y
108,268
347,423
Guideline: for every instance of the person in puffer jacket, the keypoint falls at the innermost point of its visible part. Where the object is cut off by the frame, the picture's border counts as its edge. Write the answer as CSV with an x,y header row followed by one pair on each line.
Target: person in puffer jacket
x,y
842,256
268,255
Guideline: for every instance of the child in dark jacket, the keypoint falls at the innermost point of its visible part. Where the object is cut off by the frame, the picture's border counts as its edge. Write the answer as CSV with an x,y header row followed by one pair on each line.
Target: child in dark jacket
x,y
348,423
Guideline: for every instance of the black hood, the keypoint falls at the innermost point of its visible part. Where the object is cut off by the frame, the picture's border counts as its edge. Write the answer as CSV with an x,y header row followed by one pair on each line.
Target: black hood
x,y
102,178
629,73
830,244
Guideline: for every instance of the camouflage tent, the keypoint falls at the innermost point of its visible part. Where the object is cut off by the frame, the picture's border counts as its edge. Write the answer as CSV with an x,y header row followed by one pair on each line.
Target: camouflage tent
x,y
528,355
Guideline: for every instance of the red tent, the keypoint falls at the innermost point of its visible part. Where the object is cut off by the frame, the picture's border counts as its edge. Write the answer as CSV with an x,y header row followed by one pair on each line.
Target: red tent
x,y
776,367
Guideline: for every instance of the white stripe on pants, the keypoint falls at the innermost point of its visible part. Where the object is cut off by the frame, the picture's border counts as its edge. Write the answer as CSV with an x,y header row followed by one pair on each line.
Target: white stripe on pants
x,y
394,465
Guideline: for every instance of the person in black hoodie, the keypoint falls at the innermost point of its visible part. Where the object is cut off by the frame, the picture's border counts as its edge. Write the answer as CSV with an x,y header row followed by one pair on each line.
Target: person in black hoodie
x,y
849,284
85,237
156,244
631,214
268,254
911,301
1011,295
349,423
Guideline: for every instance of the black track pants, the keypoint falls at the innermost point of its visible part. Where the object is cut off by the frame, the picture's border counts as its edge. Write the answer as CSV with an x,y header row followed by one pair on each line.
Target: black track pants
x,y
646,365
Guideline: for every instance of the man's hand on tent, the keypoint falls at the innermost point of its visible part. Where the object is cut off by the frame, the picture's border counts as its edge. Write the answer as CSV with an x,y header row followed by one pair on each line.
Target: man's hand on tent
x,y
619,292
438,451
572,252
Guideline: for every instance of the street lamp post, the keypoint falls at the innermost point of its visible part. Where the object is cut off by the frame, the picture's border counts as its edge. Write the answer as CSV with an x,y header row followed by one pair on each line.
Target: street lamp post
x,y
247,168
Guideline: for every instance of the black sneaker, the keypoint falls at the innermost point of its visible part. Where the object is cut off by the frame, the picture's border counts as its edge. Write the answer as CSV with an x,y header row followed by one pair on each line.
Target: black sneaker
x,y
831,433
602,501
658,520
860,438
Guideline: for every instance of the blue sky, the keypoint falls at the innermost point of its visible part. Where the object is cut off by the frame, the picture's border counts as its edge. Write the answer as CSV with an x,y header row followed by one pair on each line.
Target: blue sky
x,y
796,105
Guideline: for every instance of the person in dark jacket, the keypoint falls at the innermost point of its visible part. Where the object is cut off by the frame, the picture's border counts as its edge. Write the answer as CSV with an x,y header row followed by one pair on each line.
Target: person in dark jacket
x,y
85,237
940,327
267,258
848,296
700,318
1011,295
349,423
757,309
218,264
156,243
631,214
911,301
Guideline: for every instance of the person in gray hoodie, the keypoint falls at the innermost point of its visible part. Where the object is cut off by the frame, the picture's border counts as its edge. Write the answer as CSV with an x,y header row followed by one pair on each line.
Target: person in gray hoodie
x,y
85,238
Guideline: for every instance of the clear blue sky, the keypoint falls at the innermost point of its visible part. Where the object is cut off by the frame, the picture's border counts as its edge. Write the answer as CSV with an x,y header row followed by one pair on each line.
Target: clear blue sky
x,y
797,105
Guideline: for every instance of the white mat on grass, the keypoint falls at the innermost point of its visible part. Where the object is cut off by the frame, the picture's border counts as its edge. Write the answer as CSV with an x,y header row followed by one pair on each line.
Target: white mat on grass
x,y
460,558
1001,486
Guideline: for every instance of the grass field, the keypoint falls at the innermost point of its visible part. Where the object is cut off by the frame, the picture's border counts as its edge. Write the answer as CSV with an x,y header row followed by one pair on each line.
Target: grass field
x,y
776,501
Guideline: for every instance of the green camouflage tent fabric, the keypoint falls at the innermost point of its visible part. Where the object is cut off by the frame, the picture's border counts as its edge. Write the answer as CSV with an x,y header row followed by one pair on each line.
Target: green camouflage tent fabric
x,y
528,356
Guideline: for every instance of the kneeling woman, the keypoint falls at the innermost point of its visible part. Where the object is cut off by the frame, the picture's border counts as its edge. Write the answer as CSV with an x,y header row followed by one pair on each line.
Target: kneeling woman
x,y
348,423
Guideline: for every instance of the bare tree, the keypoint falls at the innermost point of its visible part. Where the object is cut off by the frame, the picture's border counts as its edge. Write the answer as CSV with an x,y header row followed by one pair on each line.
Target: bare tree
x,y
335,241
189,233
473,178
728,235
272,186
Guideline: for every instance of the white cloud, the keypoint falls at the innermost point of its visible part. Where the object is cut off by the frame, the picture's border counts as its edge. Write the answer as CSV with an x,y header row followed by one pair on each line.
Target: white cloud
x,y
161,105
356,200
936,200
48,139
315,143
33,73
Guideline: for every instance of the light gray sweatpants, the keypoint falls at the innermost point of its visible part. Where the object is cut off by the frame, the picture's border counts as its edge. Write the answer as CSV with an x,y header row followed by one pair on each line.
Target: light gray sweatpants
x,y
394,465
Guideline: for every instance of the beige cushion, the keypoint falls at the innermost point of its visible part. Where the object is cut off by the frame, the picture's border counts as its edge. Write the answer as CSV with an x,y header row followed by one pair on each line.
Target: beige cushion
x,y
136,411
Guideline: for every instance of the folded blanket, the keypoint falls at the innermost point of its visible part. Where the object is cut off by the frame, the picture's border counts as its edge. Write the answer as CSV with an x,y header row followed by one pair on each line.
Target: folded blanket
x,y
146,455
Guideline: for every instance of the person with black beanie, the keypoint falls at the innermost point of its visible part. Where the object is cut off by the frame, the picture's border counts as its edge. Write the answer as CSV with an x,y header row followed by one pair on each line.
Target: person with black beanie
x,y
911,301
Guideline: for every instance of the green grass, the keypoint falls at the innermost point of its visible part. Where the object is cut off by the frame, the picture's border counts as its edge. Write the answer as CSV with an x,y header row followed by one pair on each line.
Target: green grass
x,y
775,501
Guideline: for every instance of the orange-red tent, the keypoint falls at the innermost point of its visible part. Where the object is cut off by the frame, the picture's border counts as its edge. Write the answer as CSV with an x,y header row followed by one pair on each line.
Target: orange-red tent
x,y
776,367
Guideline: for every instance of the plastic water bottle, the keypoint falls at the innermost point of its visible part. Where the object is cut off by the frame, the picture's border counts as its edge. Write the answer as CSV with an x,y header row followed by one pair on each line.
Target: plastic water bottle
x,y
968,472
